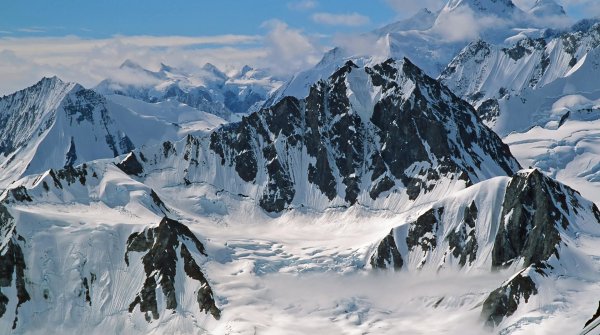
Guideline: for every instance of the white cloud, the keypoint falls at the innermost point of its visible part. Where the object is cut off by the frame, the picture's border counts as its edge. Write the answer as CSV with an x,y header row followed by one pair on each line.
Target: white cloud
x,y
302,5
25,60
31,30
353,19
363,44
289,49
461,24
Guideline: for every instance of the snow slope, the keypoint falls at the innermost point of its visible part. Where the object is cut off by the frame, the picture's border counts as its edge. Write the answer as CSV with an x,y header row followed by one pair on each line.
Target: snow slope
x,y
485,70
296,272
532,227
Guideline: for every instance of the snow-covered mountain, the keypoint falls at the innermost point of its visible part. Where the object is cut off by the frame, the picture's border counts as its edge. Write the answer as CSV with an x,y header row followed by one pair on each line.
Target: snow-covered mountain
x,y
364,197
547,8
498,8
528,223
209,90
541,96
339,147
484,71
432,39
55,124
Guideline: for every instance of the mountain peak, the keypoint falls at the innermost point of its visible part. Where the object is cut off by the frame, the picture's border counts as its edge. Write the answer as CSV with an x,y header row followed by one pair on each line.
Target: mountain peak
x,y
245,70
50,81
421,20
210,67
166,68
493,7
544,8
129,64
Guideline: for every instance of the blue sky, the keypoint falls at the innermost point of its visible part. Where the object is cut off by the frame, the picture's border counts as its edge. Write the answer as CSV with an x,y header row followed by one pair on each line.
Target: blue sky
x,y
105,18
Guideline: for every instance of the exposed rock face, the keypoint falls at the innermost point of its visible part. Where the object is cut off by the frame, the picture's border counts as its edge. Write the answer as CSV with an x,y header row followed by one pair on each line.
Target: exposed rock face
x,y
534,210
505,300
489,110
12,264
387,254
165,246
422,233
131,165
414,133
463,240
596,316
83,105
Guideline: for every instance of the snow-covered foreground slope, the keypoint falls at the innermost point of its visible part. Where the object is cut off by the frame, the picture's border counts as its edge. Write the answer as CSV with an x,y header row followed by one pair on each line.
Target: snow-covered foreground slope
x,y
538,230
83,247
91,243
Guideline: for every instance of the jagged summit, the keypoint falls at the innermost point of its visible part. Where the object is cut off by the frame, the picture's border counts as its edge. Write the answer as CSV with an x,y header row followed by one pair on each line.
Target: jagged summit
x,y
547,8
490,7
166,68
421,20
128,63
341,144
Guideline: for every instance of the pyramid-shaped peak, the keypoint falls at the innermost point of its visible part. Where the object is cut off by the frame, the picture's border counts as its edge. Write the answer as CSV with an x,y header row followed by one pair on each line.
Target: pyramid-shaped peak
x,y
50,83
489,7
166,68
51,80
246,69
544,8
129,64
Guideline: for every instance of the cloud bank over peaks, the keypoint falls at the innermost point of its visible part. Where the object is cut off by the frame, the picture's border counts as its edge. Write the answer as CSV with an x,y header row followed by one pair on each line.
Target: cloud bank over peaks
x,y
23,61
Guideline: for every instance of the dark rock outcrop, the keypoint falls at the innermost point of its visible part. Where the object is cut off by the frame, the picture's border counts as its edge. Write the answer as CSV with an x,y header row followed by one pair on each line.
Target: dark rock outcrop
x,y
534,209
505,300
422,233
12,264
131,165
165,246
463,240
387,254
596,316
